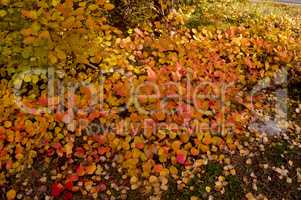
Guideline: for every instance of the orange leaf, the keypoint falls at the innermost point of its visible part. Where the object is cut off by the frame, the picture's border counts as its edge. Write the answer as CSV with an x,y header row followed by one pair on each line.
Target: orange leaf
x,y
158,168
29,40
152,76
11,194
160,116
29,14
207,140
194,151
90,169
26,31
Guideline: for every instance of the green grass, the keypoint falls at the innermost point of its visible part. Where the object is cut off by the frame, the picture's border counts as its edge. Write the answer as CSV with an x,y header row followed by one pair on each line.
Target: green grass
x,y
234,189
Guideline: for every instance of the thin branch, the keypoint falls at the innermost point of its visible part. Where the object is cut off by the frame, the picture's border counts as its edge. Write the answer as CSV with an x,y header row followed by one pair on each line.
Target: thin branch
x,y
91,65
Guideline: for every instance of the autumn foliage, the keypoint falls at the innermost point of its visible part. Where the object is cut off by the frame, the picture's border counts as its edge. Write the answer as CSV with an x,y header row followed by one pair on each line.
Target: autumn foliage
x,y
171,62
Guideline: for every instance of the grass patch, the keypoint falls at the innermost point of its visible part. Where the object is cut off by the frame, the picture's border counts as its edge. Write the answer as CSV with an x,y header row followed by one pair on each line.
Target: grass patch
x,y
279,153
197,185
213,170
234,189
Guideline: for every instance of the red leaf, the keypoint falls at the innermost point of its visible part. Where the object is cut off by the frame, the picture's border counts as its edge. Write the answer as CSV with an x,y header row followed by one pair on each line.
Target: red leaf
x,y
68,196
73,178
69,185
103,150
57,146
181,159
59,116
43,101
56,189
50,152
94,115
100,139
79,152
139,145
102,187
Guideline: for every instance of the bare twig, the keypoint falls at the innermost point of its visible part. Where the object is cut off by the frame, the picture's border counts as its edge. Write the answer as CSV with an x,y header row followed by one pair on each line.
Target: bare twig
x,y
91,65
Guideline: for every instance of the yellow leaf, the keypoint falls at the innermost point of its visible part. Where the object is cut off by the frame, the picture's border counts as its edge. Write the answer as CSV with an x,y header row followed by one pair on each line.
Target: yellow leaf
x,y
208,189
199,162
134,180
176,145
93,7
153,179
172,134
68,148
173,170
229,140
60,54
203,148
125,145
184,137
216,140
35,78
52,58
136,153
7,124
164,172
55,2
2,13
109,6
10,136
161,134
27,78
